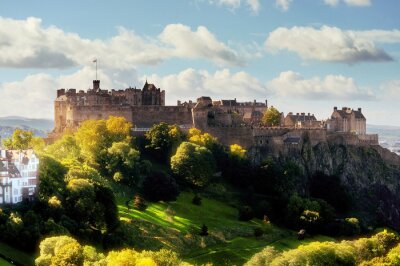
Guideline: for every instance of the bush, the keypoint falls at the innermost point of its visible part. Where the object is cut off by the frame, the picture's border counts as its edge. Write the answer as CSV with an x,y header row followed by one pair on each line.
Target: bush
x,y
139,203
160,186
204,230
196,200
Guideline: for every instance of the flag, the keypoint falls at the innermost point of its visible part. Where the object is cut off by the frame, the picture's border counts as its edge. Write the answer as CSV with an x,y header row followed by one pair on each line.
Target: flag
x,y
95,61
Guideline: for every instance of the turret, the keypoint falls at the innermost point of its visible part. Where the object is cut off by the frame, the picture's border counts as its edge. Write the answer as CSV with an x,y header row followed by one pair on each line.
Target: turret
x,y
96,85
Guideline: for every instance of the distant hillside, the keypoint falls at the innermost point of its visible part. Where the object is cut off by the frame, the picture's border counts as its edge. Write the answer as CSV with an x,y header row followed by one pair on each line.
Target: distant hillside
x,y
16,121
40,127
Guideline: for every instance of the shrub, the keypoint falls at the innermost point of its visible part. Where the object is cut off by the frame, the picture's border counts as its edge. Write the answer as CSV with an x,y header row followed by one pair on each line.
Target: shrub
x,y
265,257
204,230
160,186
139,203
196,200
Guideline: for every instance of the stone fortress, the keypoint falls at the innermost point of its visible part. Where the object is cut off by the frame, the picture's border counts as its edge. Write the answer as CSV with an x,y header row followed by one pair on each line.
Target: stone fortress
x,y
228,120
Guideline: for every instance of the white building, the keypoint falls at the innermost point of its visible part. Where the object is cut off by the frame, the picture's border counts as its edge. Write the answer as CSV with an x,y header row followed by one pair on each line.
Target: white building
x,y
18,175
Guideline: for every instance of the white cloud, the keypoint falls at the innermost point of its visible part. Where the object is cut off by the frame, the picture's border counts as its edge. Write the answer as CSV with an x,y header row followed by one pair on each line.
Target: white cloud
x,y
198,44
332,44
331,2
293,85
222,84
354,3
358,2
27,44
254,5
283,4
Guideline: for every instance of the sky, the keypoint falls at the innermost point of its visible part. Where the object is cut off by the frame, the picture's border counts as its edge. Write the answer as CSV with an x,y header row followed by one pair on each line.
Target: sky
x,y
300,55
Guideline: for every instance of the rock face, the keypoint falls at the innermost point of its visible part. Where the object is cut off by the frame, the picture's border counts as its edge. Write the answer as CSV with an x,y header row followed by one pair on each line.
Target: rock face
x,y
369,174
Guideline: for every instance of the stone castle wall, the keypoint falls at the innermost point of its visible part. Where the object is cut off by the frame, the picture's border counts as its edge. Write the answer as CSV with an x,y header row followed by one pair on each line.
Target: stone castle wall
x,y
147,116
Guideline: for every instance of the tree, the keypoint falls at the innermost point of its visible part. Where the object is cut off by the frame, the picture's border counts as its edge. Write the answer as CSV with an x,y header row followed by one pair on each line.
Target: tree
x,y
20,140
163,138
60,250
160,186
51,176
94,137
237,150
194,163
66,150
123,163
271,117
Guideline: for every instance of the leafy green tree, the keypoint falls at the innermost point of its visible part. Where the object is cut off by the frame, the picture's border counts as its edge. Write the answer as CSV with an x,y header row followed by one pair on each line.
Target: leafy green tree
x,y
66,150
20,140
51,176
194,163
94,137
123,163
237,150
126,257
60,250
271,117
163,139
81,199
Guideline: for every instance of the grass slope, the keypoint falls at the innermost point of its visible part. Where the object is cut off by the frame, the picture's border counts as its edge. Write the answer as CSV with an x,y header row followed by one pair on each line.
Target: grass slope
x,y
15,255
230,242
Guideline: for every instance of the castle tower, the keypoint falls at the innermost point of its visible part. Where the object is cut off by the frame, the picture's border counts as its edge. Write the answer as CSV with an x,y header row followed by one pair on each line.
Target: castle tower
x,y
96,85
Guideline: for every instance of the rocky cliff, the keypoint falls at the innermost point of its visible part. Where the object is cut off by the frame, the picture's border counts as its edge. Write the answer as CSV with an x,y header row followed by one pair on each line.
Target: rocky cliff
x,y
369,174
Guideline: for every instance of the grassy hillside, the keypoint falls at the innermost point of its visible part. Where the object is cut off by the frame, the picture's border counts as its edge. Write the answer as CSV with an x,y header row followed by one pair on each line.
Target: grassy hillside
x,y
230,241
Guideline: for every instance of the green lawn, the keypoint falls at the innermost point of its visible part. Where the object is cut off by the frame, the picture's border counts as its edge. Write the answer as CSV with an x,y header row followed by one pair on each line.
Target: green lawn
x,y
15,255
230,241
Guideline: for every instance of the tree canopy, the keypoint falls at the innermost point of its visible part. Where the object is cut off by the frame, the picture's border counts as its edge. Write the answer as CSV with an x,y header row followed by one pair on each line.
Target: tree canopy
x,y
271,117
194,163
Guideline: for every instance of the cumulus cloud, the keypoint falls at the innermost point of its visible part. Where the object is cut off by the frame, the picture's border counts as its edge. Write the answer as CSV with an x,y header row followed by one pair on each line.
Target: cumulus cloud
x,y
283,4
198,44
332,44
254,5
27,44
356,3
222,84
293,85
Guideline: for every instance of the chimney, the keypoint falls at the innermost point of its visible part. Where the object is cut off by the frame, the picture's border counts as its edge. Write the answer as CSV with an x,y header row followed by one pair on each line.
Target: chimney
x,y
266,103
308,114
179,103
359,109
335,108
297,113
96,85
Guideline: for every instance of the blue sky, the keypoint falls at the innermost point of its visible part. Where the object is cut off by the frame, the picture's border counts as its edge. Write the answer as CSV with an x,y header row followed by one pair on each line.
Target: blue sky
x,y
301,55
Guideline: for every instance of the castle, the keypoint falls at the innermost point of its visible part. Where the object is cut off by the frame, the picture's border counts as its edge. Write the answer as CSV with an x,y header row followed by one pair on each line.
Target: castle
x,y
228,120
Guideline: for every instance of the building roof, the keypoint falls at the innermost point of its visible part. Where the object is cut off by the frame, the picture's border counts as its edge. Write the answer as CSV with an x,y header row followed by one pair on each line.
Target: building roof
x,y
346,112
149,87
301,117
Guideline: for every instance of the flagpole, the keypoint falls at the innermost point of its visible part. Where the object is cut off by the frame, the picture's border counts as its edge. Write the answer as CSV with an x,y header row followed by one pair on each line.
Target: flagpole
x,y
96,69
